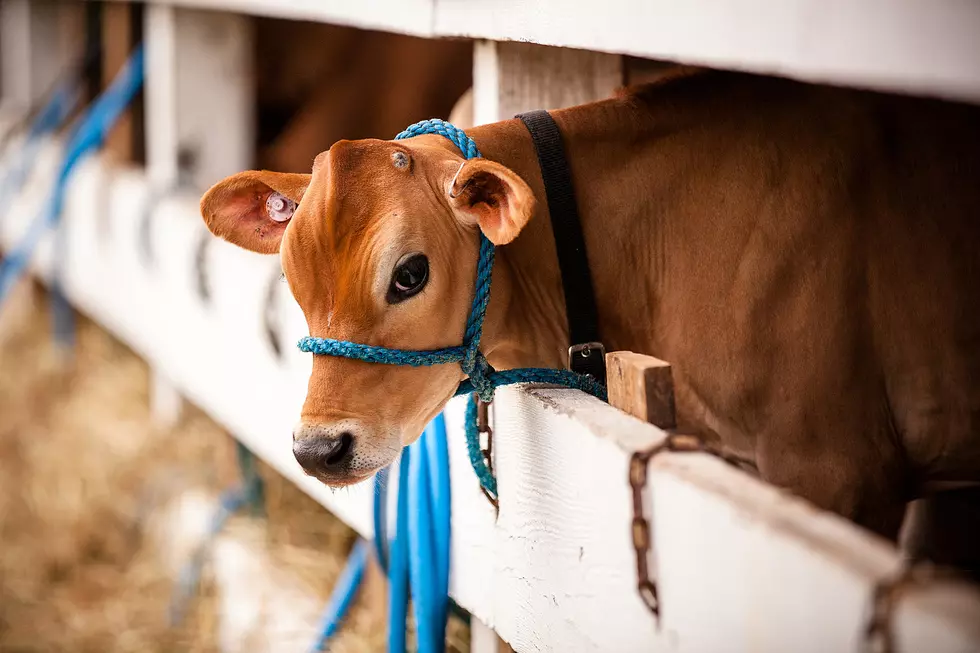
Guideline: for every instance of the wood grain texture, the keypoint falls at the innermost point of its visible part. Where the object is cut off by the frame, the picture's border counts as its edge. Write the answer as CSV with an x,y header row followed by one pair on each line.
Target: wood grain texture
x,y
899,45
199,65
641,386
509,78
117,44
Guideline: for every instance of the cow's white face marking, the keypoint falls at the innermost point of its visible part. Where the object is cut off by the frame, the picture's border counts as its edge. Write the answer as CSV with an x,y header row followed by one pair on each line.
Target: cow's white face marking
x,y
280,207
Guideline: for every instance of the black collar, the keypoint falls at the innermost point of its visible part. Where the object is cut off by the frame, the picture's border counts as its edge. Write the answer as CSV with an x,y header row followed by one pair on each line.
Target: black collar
x,y
586,355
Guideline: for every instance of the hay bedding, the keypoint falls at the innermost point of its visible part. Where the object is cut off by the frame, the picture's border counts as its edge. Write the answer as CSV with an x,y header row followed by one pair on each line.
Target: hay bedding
x,y
81,467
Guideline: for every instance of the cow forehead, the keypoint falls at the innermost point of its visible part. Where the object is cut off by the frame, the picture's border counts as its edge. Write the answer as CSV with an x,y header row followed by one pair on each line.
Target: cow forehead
x,y
355,207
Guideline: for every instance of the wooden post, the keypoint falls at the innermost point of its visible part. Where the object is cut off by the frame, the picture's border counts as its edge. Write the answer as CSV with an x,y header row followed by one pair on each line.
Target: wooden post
x,y
199,99
511,77
483,639
166,404
641,386
121,31
38,41
199,108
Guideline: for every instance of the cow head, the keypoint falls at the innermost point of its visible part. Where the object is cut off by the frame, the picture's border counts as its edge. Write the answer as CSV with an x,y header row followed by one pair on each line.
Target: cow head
x,y
379,246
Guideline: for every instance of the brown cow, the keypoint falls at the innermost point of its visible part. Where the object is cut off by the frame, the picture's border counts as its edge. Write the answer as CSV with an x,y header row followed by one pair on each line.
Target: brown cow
x,y
804,256
317,83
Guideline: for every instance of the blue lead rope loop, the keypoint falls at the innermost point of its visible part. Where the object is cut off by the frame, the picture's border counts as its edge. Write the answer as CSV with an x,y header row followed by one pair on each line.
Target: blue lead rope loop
x,y
482,379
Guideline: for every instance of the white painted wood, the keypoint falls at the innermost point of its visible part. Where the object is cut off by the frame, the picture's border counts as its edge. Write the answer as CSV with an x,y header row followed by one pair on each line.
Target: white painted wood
x,y
509,78
160,93
37,46
15,40
482,638
199,95
262,607
401,16
902,45
166,404
742,566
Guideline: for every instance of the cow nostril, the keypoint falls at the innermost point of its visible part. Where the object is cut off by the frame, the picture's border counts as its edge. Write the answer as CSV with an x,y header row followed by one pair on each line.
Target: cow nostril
x,y
319,454
341,449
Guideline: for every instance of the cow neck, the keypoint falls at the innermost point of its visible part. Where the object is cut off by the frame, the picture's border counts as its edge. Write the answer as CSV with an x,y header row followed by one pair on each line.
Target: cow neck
x,y
586,355
527,323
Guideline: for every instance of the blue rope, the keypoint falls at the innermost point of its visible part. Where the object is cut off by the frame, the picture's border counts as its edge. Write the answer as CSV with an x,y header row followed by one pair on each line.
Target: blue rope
x,y
87,135
342,596
482,379
250,494
381,519
55,112
190,575
398,563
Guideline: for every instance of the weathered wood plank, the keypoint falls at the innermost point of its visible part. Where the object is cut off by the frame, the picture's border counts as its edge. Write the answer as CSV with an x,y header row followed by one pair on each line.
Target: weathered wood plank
x,y
641,386
120,34
199,65
509,78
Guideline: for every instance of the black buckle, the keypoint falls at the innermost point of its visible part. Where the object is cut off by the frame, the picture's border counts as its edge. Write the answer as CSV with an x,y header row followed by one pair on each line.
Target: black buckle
x,y
588,358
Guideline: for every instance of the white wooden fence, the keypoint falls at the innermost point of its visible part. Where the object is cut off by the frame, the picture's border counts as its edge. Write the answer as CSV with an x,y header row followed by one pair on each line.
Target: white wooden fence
x,y
740,566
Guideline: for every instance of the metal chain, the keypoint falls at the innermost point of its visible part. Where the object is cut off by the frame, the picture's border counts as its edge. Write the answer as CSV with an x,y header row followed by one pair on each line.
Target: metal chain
x,y
638,472
879,636
483,426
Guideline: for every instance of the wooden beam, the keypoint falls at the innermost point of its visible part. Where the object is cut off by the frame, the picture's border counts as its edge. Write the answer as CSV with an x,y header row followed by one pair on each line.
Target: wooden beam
x,y
509,78
199,100
39,38
641,386
120,33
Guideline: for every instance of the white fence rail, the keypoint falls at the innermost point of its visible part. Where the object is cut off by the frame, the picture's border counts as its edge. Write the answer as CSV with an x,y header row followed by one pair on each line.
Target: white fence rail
x,y
740,566
906,45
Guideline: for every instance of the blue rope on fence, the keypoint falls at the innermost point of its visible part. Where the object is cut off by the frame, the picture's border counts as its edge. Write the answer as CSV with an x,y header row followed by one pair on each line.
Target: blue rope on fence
x,y
87,135
49,118
249,493
342,596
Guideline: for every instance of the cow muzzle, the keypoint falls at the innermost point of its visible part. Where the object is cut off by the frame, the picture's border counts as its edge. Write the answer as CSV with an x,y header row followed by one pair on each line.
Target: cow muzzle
x,y
339,453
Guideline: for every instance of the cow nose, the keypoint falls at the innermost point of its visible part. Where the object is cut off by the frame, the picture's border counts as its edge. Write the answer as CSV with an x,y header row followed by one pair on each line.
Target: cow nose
x,y
321,454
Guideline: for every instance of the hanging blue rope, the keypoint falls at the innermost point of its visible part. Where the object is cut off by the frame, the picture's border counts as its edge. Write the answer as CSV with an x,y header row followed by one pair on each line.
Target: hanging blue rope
x,y
249,493
87,135
482,379
63,101
186,586
342,596
398,572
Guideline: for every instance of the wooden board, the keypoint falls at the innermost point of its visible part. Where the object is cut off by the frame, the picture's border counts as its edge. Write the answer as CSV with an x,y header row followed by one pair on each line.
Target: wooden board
x,y
901,45
121,31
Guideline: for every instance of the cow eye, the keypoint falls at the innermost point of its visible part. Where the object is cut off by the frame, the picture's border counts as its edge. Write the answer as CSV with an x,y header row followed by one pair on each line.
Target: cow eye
x,y
411,275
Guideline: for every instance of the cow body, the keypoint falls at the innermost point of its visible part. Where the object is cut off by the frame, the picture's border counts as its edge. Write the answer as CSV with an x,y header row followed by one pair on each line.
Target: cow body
x,y
803,256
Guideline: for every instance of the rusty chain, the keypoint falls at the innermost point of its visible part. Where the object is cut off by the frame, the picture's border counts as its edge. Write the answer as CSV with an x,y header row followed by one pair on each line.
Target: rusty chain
x,y
483,426
879,636
638,472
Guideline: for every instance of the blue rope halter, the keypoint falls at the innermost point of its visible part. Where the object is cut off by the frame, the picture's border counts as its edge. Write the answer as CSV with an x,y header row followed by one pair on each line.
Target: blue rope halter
x,y
483,379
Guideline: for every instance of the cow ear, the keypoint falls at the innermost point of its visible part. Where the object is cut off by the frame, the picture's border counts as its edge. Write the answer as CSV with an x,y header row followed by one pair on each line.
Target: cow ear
x,y
253,208
493,197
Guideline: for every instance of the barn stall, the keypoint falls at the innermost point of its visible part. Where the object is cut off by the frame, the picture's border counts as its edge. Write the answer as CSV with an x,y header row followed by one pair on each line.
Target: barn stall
x,y
737,564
